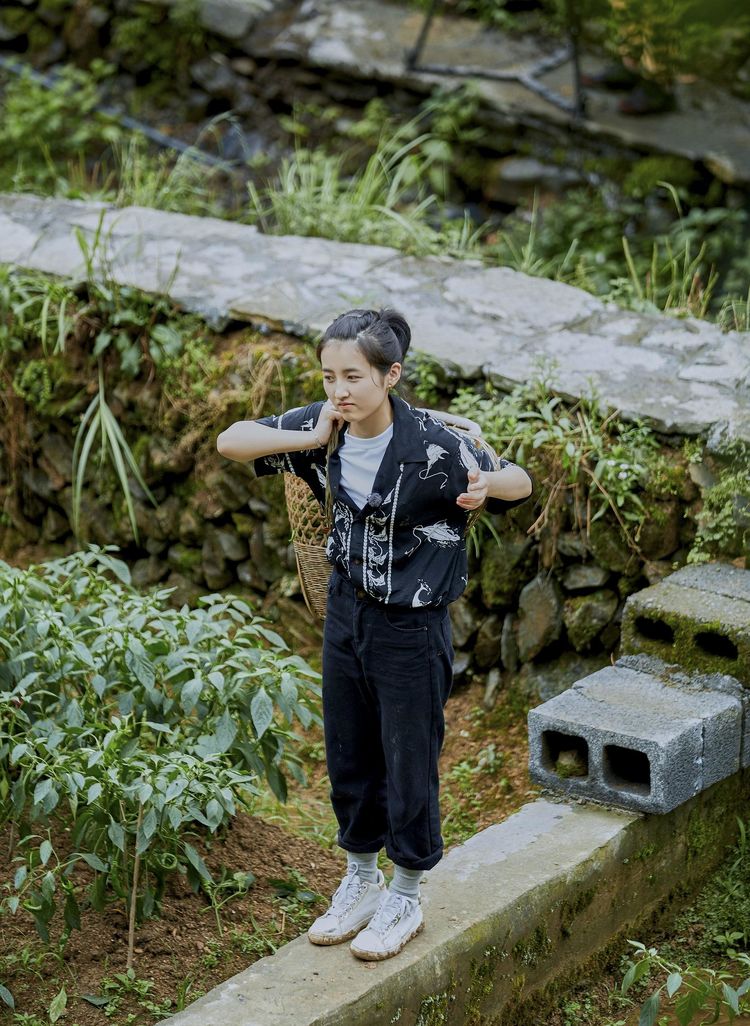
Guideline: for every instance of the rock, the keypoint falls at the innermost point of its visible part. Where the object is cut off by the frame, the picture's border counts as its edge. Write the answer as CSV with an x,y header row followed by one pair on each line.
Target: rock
x,y
540,616
509,643
146,572
248,575
541,681
515,179
187,562
167,458
488,645
214,558
167,516
191,528
155,546
656,570
609,548
97,523
502,570
263,555
494,680
233,19
586,615
224,489
582,576
232,545
660,532
244,66
55,525
572,544
187,592
215,75
56,459
464,622
461,667
38,483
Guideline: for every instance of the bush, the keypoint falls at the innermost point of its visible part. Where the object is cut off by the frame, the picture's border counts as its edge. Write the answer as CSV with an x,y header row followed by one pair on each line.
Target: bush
x,y
135,724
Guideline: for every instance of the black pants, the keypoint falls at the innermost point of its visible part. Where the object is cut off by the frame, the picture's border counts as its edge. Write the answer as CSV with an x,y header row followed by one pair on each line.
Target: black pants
x,y
387,673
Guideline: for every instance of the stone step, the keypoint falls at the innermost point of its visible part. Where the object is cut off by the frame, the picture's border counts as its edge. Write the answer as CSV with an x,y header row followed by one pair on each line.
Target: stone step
x,y
626,737
698,617
520,905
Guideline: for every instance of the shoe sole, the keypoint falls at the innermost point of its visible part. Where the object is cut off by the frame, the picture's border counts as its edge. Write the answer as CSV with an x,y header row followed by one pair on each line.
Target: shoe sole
x,y
326,941
378,956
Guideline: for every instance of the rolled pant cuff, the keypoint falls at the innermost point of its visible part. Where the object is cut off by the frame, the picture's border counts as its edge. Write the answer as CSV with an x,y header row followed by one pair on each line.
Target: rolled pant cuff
x,y
426,863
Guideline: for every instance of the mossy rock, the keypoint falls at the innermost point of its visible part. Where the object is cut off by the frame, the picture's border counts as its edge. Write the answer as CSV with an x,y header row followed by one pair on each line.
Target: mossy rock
x,y
586,615
504,568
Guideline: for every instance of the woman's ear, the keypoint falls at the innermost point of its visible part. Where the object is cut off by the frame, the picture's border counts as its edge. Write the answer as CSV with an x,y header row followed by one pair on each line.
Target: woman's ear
x,y
393,375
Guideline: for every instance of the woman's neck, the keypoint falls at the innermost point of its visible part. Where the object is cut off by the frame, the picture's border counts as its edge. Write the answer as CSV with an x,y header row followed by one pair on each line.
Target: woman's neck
x,y
376,423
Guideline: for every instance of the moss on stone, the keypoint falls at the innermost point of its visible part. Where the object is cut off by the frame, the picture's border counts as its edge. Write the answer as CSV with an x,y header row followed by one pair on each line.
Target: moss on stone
x,y
570,910
530,950
434,1009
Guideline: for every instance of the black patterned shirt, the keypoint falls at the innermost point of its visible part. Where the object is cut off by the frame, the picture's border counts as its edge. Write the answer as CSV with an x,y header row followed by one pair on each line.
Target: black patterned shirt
x,y
407,545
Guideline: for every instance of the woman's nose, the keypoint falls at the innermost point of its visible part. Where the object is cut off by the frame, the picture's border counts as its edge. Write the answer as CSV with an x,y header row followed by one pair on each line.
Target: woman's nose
x,y
341,390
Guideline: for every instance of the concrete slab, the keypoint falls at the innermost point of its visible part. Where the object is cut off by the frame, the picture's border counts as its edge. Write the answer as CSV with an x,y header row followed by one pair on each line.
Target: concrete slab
x,y
626,737
520,905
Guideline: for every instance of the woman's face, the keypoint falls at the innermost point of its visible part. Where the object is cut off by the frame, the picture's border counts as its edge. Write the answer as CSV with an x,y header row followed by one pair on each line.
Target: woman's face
x,y
353,386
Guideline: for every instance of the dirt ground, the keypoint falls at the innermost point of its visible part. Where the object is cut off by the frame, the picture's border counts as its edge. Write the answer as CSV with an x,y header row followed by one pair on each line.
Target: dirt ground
x,y
182,954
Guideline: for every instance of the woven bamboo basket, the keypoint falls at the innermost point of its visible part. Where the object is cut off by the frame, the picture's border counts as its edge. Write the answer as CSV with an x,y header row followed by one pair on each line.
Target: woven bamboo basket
x,y
310,525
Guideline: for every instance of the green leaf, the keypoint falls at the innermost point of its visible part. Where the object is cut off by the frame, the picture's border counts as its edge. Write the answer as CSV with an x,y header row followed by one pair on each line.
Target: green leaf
x,y
674,982
650,1010
226,731
41,790
72,913
731,998
93,792
261,711
58,1006
94,861
7,997
116,835
197,862
140,666
45,850
190,694
92,999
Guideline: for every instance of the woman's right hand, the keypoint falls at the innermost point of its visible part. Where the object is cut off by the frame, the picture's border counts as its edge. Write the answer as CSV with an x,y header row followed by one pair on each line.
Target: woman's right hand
x,y
329,416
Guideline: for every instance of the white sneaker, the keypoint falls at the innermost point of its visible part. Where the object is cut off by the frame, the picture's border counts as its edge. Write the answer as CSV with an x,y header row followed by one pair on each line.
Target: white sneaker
x,y
352,906
395,922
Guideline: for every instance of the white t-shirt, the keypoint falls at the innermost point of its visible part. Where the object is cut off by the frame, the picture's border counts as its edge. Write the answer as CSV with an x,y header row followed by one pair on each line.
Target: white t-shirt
x,y
360,460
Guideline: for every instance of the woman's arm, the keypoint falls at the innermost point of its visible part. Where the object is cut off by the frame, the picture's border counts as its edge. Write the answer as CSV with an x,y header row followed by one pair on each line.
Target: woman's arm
x,y
512,482
247,440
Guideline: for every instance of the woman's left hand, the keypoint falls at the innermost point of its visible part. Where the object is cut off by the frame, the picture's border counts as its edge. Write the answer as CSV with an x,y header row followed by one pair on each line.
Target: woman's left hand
x,y
476,492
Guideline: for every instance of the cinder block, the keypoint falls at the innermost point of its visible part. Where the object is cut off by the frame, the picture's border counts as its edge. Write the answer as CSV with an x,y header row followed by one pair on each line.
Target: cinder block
x,y
625,737
675,676
698,617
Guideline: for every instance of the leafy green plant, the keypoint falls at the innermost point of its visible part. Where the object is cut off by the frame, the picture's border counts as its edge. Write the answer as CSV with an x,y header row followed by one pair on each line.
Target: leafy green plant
x,y
41,128
695,989
139,725
723,523
581,451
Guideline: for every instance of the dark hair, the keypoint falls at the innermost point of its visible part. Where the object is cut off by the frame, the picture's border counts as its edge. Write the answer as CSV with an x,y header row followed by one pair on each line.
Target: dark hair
x,y
383,336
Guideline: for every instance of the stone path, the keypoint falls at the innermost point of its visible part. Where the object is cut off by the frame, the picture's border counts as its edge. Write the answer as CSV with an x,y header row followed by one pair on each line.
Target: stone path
x,y
368,39
684,375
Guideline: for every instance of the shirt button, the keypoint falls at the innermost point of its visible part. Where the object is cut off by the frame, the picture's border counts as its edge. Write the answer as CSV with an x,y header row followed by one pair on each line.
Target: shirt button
x,y
356,560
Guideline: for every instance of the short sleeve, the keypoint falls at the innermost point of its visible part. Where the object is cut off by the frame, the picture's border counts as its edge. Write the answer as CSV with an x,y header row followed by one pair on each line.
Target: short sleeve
x,y
301,418
470,455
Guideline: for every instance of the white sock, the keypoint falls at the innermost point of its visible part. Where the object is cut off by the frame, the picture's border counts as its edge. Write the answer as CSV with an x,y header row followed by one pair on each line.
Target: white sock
x,y
366,863
406,881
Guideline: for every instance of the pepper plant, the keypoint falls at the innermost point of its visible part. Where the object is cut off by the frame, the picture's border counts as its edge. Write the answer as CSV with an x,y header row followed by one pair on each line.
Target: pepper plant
x,y
139,727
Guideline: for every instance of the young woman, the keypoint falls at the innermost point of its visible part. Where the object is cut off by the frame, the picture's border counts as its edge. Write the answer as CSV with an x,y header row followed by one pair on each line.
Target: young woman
x,y
402,485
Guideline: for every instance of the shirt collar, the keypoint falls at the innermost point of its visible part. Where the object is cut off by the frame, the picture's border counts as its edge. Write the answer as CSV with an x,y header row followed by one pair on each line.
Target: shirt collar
x,y
407,443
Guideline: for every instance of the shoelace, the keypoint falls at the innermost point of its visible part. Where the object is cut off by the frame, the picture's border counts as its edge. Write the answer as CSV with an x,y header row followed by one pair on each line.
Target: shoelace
x,y
346,893
389,912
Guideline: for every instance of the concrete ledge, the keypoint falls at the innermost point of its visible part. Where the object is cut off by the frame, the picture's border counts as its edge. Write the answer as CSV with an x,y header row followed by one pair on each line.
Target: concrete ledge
x,y
513,911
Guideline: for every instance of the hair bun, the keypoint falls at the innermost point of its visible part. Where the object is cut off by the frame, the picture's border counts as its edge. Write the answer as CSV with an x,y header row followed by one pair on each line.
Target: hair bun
x,y
397,323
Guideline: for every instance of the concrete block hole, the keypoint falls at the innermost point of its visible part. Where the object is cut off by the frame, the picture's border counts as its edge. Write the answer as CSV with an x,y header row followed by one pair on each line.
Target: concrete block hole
x,y
627,769
565,754
654,630
715,644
